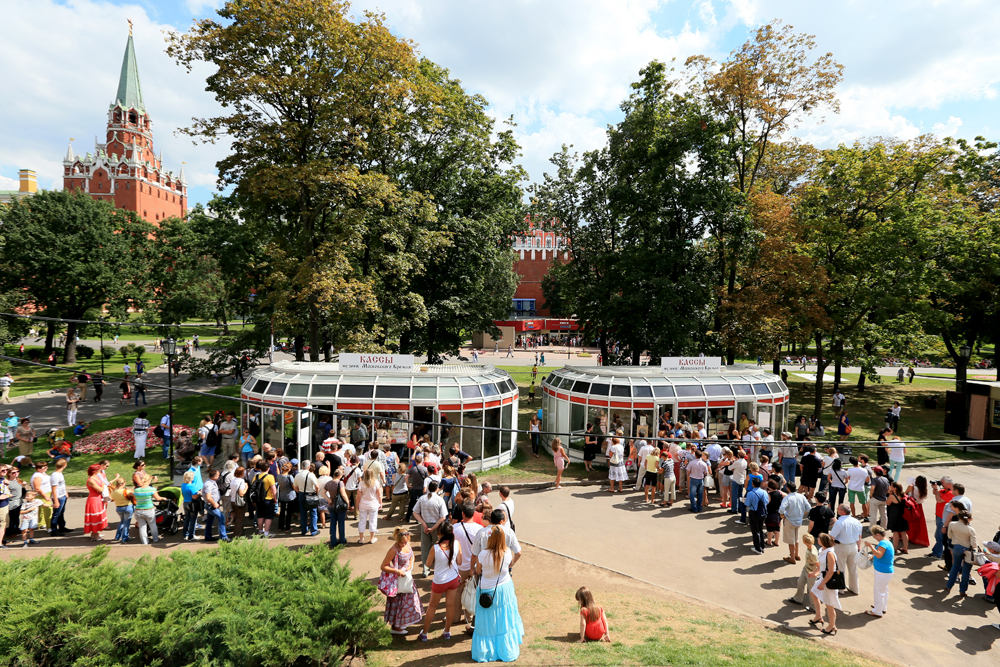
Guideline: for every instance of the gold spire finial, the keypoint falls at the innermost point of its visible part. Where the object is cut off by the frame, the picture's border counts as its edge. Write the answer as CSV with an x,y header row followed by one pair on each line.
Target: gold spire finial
x,y
129,27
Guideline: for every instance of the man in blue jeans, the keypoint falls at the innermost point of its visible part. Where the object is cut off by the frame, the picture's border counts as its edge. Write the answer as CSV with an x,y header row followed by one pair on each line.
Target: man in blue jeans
x,y
697,469
165,423
214,510
739,468
305,482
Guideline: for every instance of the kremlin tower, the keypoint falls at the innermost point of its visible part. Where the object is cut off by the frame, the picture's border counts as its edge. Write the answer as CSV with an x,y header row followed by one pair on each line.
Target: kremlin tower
x,y
124,169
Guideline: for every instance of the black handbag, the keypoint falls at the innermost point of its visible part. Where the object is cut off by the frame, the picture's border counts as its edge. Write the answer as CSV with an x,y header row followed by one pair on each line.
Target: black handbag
x,y
339,504
486,599
836,581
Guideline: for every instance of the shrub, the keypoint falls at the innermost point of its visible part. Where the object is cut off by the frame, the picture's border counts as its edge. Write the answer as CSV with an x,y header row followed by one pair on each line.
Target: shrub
x,y
239,604
125,350
107,352
139,351
84,351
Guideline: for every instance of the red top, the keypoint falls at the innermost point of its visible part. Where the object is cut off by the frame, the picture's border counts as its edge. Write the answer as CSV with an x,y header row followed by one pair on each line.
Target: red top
x,y
946,497
595,630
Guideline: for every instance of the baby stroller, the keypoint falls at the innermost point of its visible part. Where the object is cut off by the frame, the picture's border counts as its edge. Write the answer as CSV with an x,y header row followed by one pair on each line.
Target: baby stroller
x,y
167,512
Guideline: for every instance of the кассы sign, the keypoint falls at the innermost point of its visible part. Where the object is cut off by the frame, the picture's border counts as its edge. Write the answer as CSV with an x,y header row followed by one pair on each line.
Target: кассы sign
x,y
668,364
376,362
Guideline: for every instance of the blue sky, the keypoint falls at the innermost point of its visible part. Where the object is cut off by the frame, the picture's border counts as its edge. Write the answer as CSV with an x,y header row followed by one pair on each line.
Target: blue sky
x,y
560,67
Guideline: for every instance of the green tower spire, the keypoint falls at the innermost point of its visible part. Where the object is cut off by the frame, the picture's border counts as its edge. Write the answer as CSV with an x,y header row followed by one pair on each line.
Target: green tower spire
x,y
129,89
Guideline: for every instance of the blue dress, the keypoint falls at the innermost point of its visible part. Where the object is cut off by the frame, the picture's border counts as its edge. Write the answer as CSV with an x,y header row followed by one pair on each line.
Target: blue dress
x,y
499,630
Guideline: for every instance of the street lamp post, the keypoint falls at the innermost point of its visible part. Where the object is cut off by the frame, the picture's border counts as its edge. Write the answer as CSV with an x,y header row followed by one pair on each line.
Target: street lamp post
x,y
100,328
961,373
169,348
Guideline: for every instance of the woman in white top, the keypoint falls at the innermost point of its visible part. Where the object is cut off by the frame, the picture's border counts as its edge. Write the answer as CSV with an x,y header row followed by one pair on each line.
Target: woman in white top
x,y
369,503
352,477
897,455
534,427
821,592
448,557
643,449
499,630
324,505
616,464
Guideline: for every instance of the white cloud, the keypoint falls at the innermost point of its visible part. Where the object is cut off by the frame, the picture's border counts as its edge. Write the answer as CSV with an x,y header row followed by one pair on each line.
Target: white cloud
x,y
198,7
9,183
948,129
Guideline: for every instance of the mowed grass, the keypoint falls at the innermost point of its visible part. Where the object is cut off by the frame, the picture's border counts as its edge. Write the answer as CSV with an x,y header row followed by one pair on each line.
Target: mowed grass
x,y
29,379
867,414
645,630
188,411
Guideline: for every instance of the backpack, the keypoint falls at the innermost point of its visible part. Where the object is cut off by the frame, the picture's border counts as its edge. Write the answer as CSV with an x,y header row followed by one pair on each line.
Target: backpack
x,y
158,431
762,505
224,483
256,493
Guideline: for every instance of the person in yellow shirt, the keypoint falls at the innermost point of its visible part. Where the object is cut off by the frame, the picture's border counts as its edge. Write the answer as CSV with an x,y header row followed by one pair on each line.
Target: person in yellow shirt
x,y
649,479
266,498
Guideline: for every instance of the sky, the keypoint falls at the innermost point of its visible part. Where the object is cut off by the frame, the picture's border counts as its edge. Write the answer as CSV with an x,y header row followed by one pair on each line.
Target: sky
x,y
559,67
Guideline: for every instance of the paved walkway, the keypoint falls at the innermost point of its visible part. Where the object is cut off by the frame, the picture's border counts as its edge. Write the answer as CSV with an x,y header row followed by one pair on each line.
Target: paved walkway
x,y
48,409
709,556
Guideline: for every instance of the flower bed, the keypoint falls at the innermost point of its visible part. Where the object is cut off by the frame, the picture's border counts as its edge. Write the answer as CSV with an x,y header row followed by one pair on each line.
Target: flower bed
x,y
120,440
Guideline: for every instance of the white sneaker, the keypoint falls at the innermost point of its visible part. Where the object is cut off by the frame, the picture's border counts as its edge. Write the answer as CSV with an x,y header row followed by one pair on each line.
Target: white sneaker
x,y
997,626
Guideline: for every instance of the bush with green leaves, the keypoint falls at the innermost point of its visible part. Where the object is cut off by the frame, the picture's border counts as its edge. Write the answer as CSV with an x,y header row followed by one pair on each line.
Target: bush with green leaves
x,y
138,350
244,603
107,352
84,351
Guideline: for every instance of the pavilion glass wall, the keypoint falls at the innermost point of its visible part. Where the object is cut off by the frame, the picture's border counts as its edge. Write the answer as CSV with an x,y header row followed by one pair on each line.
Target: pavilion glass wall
x,y
578,426
719,420
491,437
643,421
472,438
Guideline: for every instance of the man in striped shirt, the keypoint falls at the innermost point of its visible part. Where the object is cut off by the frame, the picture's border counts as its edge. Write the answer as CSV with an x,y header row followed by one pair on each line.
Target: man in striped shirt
x,y
5,382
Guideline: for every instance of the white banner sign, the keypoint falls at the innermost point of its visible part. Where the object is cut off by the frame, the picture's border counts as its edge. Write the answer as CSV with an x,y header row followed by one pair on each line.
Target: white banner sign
x,y
672,364
376,362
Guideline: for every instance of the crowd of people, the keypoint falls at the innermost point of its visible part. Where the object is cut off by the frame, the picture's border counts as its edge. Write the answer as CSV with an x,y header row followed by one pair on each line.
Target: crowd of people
x,y
812,502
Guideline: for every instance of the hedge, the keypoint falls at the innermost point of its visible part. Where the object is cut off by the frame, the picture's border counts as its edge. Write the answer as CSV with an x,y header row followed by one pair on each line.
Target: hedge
x,y
238,604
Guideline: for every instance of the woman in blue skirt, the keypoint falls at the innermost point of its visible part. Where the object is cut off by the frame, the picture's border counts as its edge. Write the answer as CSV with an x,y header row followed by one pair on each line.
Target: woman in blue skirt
x,y
499,629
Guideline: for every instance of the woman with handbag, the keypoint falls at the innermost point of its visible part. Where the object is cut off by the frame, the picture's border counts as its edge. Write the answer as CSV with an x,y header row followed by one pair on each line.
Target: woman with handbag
x,y
402,607
963,539
499,630
369,503
336,498
828,585
616,464
590,448
447,558
882,557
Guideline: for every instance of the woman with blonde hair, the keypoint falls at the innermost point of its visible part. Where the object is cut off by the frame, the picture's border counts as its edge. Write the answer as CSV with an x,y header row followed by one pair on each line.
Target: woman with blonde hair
x,y
560,459
821,592
499,630
369,503
402,609
593,622
122,498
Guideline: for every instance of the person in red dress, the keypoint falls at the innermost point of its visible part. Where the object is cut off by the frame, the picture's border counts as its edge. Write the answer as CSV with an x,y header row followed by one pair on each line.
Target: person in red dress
x,y
914,514
95,512
593,622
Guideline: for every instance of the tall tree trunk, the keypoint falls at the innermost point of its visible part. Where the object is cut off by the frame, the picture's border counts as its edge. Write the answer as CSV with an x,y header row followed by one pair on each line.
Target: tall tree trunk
x,y
50,334
731,288
636,357
821,364
298,344
314,339
838,356
869,349
225,319
604,348
69,353
776,364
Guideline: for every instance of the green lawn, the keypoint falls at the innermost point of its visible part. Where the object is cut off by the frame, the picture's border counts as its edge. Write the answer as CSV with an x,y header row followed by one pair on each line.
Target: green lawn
x,y
188,411
32,379
867,409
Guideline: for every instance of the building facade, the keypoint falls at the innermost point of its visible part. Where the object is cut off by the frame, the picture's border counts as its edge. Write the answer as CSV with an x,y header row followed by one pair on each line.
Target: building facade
x,y
27,186
124,169
535,252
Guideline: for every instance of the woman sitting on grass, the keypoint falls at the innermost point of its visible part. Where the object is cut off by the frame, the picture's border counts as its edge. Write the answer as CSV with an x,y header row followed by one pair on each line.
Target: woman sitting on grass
x,y
593,622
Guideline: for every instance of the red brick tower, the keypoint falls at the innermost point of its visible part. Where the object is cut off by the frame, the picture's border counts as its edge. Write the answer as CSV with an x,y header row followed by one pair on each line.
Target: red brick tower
x,y
124,169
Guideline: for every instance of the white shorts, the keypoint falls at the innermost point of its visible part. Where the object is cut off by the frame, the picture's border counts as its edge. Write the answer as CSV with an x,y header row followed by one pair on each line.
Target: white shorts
x,y
367,520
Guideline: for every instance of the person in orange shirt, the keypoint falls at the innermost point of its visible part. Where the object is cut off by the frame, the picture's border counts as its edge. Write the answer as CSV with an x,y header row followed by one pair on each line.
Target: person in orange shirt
x,y
593,622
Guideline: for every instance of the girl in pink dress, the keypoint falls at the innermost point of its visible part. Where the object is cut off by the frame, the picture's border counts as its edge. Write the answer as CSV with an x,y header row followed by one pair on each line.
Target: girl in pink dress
x,y
560,458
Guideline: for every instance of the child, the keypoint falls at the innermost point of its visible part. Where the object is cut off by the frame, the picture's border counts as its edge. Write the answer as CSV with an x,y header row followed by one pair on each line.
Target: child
x,y
593,622
29,518
61,450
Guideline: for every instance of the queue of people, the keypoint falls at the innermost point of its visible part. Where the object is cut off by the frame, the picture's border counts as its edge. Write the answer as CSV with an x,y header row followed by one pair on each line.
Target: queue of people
x,y
813,503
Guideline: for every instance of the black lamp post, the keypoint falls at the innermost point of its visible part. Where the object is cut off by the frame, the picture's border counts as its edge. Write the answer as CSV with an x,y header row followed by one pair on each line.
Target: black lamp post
x,y
100,328
169,349
965,352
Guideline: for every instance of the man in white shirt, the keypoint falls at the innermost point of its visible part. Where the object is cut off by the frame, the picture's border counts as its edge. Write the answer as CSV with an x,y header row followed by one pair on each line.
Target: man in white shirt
x,y
739,476
645,449
897,456
430,512
507,506
497,518
839,400
465,534
702,433
229,432
846,532
856,478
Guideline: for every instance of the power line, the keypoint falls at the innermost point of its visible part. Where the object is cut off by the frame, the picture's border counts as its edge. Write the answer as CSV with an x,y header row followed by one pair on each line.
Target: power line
x,y
914,444
120,324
